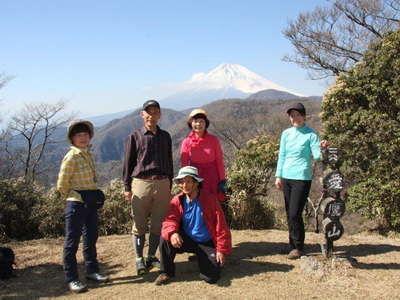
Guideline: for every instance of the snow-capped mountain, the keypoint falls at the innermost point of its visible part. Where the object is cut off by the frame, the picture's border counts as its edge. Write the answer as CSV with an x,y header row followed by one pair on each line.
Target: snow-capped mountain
x,y
225,81
236,77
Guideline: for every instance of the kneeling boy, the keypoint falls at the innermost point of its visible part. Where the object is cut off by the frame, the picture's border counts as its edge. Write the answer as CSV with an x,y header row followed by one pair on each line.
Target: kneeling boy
x,y
195,223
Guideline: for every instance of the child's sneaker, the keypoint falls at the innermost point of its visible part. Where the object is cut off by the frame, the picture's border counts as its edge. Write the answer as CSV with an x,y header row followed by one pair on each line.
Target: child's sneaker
x,y
77,286
97,277
140,266
152,262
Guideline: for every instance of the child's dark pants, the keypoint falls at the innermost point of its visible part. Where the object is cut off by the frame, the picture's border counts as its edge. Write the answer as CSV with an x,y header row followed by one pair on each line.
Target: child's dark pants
x,y
80,218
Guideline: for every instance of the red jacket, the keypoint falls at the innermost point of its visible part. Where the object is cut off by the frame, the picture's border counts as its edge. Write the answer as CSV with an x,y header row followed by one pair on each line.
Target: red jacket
x,y
213,217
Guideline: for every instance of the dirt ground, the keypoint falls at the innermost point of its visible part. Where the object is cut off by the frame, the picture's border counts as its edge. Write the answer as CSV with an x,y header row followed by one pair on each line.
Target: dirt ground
x,y
257,269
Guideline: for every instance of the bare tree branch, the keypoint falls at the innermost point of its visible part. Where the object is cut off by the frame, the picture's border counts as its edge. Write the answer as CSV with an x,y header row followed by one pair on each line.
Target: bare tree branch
x,y
330,40
36,124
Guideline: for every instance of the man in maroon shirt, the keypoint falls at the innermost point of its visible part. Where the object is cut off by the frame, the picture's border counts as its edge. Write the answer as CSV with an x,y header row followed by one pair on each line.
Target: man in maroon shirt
x,y
147,176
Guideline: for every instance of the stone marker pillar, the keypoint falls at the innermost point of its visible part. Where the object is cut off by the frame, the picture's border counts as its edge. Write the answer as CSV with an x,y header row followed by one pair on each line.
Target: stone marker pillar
x,y
332,207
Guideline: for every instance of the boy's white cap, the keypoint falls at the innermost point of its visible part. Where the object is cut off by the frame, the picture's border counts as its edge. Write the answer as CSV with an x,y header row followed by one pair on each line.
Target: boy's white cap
x,y
188,171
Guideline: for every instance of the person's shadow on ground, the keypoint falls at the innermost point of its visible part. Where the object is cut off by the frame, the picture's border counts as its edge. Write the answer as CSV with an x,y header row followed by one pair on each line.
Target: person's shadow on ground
x,y
44,280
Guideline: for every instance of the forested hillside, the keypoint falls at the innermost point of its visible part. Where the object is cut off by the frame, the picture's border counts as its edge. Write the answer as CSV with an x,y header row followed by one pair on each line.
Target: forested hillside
x,y
108,142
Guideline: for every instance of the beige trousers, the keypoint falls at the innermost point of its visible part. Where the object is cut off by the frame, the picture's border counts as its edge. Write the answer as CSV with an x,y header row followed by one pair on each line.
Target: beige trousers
x,y
150,202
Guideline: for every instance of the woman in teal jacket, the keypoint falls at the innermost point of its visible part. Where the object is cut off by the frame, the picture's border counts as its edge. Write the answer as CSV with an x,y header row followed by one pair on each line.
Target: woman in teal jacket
x,y
294,173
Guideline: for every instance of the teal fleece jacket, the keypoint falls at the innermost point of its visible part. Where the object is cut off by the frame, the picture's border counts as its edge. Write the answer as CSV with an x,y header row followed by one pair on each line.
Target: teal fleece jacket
x,y
296,147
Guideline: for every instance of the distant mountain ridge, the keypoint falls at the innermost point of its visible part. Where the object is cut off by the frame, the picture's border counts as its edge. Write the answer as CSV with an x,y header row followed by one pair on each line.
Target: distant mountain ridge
x,y
104,119
198,97
108,142
271,94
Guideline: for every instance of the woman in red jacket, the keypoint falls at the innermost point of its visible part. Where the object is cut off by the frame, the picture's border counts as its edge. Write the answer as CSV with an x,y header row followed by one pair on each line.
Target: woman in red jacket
x,y
203,151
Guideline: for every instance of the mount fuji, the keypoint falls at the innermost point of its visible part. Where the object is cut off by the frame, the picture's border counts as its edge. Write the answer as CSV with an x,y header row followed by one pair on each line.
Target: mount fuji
x,y
225,81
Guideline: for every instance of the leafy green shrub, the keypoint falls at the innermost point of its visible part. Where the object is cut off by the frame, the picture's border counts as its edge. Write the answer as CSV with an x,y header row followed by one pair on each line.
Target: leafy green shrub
x,y
115,216
361,115
28,211
17,200
249,183
49,214
386,204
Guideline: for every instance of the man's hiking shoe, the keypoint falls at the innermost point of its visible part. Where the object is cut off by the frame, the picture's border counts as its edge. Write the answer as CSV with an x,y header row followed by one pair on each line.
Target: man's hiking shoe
x,y
140,266
152,262
295,254
97,277
162,279
77,286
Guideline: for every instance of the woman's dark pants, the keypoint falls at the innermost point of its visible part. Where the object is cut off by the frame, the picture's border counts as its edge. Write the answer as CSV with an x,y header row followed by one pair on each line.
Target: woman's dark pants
x,y
80,219
296,194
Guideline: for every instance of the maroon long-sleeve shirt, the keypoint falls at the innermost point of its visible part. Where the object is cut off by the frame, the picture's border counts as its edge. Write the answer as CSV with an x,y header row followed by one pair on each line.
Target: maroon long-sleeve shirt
x,y
147,154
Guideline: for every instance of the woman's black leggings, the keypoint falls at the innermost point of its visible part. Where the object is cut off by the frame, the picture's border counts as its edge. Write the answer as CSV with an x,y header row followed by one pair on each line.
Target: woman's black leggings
x,y
296,194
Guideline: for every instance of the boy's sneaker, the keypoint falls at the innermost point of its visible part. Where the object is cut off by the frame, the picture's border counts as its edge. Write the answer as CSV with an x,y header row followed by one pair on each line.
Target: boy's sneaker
x,y
152,262
140,266
97,277
77,286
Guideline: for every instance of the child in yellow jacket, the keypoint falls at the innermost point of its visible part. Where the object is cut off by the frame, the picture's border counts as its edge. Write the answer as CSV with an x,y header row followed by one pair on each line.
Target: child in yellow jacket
x,y
77,184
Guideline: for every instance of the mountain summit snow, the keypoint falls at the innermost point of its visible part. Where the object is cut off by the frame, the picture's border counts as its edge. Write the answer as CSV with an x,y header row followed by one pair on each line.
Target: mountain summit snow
x,y
225,81
234,76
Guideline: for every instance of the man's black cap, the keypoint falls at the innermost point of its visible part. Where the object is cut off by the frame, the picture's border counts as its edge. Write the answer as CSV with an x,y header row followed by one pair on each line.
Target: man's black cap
x,y
149,103
299,107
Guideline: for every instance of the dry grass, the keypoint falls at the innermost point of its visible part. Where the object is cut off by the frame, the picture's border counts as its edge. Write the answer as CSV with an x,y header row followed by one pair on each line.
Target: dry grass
x,y
256,270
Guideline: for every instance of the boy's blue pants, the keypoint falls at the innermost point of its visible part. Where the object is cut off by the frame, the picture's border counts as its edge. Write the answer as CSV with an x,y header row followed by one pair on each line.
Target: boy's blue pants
x,y
80,219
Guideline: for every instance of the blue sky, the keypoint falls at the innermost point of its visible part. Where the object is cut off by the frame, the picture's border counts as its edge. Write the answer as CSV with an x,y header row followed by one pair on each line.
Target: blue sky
x,y
109,56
